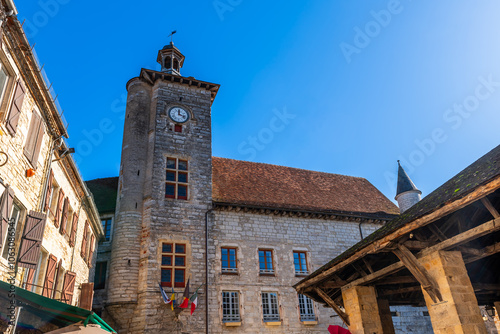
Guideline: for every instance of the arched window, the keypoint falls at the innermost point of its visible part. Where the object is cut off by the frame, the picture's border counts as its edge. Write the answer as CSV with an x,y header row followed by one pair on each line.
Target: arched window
x,y
168,62
176,64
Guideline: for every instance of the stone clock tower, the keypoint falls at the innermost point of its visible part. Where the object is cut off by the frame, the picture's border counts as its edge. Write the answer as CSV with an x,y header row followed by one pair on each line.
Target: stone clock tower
x,y
165,191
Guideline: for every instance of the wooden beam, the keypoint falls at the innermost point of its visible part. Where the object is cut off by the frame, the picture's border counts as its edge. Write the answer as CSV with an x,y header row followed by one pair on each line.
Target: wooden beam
x,y
368,265
485,286
396,280
415,244
378,245
468,250
487,251
402,290
359,269
329,301
417,269
376,275
490,207
437,232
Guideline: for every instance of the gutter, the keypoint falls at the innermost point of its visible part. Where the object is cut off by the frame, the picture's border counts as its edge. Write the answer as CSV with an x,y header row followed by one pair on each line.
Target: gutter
x,y
206,269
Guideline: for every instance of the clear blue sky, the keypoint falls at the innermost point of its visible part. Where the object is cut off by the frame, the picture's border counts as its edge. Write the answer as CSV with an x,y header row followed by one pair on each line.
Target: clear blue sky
x,y
366,82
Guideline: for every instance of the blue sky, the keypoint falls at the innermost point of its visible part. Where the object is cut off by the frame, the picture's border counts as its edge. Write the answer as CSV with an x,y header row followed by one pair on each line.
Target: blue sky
x,y
344,87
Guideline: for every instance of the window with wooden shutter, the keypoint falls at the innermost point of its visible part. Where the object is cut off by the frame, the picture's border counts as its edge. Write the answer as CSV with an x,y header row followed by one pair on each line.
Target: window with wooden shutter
x,y
91,250
5,208
59,268
84,241
68,287
30,278
48,193
15,108
60,201
64,216
74,226
31,241
50,273
34,139
86,296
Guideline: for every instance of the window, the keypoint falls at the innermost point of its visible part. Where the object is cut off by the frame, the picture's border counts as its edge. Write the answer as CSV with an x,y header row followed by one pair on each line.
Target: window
x,y
266,262
177,179
34,139
15,216
173,264
270,306
300,263
230,306
4,79
106,226
100,275
306,308
228,260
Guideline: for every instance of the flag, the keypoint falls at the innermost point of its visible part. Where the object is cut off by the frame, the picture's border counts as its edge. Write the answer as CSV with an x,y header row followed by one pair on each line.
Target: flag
x,y
164,295
172,299
194,300
185,297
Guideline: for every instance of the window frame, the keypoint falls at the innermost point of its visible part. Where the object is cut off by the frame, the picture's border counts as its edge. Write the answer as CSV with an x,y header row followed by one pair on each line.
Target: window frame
x,y
6,96
18,227
306,309
273,313
176,183
267,271
105,227
100,275
231,303
229,270
301,272
173,267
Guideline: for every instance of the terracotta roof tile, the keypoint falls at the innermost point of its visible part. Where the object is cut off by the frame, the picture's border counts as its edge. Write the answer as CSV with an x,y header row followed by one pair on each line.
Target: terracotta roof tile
x,y
271,186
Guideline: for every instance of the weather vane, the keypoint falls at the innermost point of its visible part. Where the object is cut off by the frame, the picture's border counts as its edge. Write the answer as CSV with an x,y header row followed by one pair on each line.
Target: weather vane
x,y
172,36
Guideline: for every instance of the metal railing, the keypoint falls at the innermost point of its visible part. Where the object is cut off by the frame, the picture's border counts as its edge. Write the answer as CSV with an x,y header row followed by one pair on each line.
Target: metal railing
x,y
267,271
231,318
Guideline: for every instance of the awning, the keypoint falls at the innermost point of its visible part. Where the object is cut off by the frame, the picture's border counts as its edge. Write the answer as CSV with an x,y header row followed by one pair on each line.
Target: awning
x,y
40,311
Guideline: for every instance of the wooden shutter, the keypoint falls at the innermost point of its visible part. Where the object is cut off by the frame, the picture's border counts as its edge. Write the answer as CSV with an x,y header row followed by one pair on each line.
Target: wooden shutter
x,y
48,284
86,296
64,216
68,287
84,241
15,108
31,241
46,207
72,237
57,218
91,251
29,279
35,137
5,210
56,280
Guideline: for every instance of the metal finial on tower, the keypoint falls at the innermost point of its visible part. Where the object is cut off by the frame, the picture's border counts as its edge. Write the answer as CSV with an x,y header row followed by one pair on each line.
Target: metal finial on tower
x,y
172,36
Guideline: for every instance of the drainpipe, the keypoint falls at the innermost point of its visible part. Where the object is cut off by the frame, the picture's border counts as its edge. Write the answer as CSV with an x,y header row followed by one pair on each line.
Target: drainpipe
x,y
360,231
206,268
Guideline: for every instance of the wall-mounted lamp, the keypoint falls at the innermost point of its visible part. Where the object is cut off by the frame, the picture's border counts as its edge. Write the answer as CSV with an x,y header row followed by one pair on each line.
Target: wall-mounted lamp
x,y
30,172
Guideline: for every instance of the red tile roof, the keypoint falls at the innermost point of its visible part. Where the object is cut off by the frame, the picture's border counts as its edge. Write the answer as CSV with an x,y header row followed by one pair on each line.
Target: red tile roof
x,y
263,185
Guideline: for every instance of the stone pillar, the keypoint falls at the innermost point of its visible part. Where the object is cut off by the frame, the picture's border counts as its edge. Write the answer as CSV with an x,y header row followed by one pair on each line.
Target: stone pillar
x,y
384,312
497,307
459,312
362,307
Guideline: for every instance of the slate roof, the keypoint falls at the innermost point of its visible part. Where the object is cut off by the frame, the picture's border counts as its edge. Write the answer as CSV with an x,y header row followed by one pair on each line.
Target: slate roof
x,y
271,186
104,191
404,182
480,172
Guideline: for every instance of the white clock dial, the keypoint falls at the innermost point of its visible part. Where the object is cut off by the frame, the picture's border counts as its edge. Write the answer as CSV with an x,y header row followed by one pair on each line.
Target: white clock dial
x,y
179,115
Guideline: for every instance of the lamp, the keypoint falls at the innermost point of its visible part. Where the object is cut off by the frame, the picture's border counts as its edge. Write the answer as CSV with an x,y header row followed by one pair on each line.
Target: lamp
x,y
30,172
490,311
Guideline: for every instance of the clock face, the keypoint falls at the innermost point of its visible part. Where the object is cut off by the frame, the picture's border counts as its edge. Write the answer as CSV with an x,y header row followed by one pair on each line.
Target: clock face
x,y
179,115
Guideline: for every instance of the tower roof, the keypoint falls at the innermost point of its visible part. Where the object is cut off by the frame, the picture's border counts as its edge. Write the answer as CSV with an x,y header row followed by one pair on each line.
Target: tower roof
x,y
404,182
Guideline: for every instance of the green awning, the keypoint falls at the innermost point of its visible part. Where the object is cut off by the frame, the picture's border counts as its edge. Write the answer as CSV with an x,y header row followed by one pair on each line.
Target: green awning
x,y
44,310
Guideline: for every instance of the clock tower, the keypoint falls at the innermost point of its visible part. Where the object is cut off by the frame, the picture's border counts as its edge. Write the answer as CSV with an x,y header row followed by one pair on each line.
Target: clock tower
x,y
164,194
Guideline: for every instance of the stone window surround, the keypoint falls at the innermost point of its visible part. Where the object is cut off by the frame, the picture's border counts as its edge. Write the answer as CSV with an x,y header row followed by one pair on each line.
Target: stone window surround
x,y
230,271
8,94
105,217
188,256
307,317
239,306
267,272
278,307
307,258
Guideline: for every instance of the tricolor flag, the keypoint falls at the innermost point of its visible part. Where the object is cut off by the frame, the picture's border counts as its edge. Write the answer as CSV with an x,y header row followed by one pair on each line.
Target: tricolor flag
x,y
172,299
185,297
194,300
164,295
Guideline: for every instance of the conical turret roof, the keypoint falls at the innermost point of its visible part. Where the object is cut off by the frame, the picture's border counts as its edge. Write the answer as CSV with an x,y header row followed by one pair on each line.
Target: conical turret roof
x,y
404,182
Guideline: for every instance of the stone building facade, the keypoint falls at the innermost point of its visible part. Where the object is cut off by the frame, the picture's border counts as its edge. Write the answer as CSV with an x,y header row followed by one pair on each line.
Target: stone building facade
x,y
239,233
50,226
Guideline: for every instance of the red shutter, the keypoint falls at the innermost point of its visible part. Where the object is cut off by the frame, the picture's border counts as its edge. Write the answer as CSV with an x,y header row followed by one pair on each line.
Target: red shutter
x,y
57,218
68,287
15,108
64,216
5,210
30,278
48,284
84,241
31,241
91,251
86,296
48,192
56,280
72,237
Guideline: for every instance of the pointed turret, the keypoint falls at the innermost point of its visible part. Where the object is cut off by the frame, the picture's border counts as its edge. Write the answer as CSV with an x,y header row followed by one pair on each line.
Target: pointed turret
x,y
171,59
407,193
